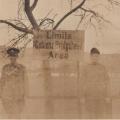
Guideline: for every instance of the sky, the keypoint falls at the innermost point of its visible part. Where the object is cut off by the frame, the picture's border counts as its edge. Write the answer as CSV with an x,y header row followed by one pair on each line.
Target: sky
x,y
107,39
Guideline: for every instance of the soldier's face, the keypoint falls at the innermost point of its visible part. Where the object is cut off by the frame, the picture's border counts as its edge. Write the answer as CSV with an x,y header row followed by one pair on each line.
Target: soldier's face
x,y
94,58
13,59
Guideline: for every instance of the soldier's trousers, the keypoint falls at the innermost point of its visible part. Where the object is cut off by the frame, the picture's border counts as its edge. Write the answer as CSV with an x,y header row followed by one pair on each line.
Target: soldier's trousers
x,y
96,109
13,107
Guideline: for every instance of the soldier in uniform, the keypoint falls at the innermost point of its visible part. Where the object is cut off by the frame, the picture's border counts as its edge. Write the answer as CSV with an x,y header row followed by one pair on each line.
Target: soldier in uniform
x,y
13,85
95,88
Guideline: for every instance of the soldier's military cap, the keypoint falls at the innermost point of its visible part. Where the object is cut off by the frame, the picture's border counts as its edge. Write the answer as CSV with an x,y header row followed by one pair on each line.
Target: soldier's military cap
x,y
94,51
13,52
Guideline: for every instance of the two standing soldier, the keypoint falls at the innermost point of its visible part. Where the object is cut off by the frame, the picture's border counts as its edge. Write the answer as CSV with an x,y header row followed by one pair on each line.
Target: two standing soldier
x,y
94,87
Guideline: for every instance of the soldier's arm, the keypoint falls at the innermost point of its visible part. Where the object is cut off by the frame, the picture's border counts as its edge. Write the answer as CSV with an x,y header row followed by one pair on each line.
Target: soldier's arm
x,y
82,83
107,79
26,83
2,79
108,86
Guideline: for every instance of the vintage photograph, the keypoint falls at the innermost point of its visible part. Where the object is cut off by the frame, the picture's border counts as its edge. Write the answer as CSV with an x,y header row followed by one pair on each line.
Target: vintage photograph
x,y
59,59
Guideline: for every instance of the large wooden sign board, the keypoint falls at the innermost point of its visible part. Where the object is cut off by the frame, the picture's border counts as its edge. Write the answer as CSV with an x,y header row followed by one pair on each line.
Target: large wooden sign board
x,y
59,44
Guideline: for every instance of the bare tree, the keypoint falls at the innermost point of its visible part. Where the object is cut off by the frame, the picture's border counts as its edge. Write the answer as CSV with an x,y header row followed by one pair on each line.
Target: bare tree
x,y
87,16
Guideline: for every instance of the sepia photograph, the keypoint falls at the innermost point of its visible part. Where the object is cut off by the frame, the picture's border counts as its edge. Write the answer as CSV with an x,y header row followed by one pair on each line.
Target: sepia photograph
x,y
59,59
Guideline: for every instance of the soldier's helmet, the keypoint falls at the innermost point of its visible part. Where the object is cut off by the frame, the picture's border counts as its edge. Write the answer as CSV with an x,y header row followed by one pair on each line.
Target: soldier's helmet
x,y
13,52
94,51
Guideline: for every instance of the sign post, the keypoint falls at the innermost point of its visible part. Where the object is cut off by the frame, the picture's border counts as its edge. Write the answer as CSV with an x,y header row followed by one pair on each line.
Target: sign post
x,y
59,44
